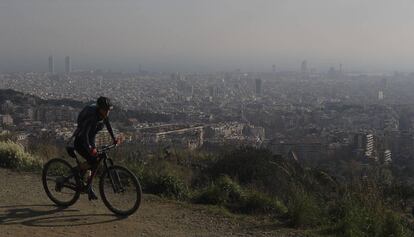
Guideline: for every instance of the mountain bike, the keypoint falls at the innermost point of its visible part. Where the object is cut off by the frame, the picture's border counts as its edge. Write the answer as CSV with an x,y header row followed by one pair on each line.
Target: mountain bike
x,y
119,188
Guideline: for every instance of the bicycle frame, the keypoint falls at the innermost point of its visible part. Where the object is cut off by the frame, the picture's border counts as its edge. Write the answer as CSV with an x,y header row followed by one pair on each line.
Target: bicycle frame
x,y
107,163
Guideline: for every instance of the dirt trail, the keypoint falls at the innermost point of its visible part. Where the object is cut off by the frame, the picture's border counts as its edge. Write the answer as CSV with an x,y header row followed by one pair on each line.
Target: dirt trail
x,y
25,210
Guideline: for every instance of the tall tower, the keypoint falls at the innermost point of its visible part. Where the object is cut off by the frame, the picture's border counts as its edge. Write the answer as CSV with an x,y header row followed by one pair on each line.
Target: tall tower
x,y
51,65
274,69
304,67
382,89
68,68
258,86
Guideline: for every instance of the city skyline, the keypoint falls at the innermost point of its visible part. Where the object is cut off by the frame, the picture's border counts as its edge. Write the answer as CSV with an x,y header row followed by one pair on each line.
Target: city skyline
x,y
302,67
215,36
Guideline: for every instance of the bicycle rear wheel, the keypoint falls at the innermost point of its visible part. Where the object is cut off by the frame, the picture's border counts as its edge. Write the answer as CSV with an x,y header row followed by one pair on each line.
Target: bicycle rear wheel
x,y
120,190
61,184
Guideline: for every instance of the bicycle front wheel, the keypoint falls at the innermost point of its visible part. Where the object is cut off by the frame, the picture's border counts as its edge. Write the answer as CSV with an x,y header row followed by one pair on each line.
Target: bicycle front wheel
x,y
61,184
120,190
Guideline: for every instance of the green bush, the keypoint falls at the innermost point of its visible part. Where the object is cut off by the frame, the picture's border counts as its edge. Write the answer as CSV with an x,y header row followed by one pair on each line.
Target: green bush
x,y
362,216
136,168
313,198
228,193
166,186
12,155
303,209
259,203
160,177
210,195
393,226
223,191
359,220
246,164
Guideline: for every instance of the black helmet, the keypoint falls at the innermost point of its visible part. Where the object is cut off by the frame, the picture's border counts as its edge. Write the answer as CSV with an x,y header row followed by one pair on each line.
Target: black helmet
x,y
104,103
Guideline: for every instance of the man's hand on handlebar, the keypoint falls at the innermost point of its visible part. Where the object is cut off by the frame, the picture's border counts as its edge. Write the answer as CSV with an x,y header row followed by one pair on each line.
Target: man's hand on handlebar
x,y
93,151
105,148
117,140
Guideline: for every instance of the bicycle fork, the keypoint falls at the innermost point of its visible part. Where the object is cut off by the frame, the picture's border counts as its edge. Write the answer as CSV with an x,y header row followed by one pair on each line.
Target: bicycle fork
x,y
114,177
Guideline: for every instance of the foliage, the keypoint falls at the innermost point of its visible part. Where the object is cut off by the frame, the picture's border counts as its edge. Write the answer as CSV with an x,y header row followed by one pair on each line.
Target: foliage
x,y
45,151
246,164
167,186
251,180
223,191
364,213
160,177
303,209
12,155
227,193
259,203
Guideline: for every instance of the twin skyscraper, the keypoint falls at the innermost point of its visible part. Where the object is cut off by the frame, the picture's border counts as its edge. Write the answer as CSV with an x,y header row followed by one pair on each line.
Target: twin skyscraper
x,y
68,68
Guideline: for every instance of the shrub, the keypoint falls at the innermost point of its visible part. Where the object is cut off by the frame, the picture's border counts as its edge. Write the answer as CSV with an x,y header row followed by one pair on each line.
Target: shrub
x,y
230,188
246,164
166,185
222,191
362,216
12,155
210,195
160,177
303,209
393,226
228,193
136,168
259,203
358,219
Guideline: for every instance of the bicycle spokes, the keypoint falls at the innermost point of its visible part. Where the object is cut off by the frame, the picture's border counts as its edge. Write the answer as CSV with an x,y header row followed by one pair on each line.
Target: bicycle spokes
x,y
120,190
60,182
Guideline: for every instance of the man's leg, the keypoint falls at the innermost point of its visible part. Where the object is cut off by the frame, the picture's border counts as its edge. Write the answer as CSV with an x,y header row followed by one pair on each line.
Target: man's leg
x,y
89,167
93,164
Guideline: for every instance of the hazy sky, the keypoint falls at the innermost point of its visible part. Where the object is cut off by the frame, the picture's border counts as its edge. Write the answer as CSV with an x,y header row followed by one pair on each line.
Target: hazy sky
x,y
196,35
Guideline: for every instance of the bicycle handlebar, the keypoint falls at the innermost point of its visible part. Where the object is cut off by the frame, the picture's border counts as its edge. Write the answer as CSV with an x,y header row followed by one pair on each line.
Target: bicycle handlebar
x,y
105,148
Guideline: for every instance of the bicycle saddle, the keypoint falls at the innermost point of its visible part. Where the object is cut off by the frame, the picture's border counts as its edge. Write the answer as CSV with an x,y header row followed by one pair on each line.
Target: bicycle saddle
x,y
71,151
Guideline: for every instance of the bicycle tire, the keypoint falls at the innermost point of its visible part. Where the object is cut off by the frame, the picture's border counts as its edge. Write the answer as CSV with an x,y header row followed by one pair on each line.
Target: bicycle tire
x,y
137,187
48,191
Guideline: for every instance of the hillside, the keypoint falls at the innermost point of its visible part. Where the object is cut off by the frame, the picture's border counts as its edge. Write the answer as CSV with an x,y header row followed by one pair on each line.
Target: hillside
x,y
118,114
26,210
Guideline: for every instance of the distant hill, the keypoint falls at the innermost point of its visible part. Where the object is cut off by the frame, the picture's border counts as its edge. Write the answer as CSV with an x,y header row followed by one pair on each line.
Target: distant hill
x,y
21,99
118,114
18,97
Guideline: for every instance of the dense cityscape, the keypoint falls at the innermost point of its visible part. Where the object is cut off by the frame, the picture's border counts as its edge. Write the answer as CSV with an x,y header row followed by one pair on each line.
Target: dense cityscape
x,y
311,113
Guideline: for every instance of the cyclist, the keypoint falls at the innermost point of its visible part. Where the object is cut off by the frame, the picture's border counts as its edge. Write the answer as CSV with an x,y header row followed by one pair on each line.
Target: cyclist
x,y
90,121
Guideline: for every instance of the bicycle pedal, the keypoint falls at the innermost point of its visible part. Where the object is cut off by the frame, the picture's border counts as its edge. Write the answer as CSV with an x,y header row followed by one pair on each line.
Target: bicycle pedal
x,y
92,197
59,184
84,189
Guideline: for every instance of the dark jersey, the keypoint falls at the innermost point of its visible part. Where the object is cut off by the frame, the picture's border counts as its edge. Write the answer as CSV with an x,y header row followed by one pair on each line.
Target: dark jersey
x,y
89,124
